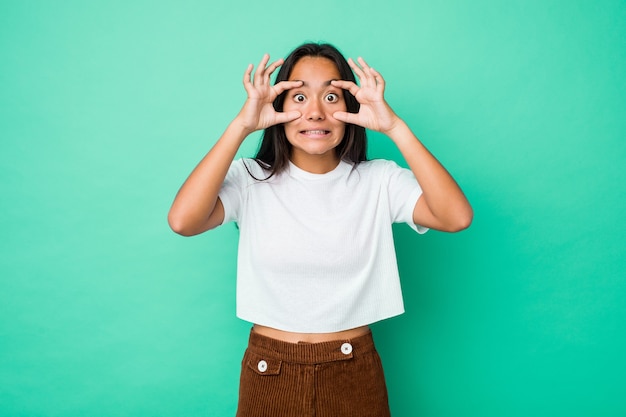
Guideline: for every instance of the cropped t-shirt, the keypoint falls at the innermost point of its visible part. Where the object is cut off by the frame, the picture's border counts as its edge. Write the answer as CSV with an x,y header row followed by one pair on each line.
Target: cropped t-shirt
x,y
316,251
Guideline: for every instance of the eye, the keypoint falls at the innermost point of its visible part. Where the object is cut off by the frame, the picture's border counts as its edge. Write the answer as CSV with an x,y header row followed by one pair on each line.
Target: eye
x,y
299,98
332,98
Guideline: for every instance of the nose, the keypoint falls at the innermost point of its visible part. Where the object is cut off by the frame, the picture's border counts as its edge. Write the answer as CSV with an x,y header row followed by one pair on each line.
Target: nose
x,y
314,110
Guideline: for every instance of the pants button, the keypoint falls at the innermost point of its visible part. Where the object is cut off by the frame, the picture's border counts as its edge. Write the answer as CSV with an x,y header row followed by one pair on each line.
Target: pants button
x,y
346,348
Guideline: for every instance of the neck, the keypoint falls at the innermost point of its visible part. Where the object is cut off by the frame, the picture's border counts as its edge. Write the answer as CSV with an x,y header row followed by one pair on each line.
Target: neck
x,y
316,164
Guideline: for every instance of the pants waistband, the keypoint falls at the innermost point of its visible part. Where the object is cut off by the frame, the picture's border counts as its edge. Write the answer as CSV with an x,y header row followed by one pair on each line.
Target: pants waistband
x,y
311,353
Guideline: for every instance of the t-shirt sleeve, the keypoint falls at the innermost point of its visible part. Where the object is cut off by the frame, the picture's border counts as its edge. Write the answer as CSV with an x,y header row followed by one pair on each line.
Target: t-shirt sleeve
x,y
404,191
231,192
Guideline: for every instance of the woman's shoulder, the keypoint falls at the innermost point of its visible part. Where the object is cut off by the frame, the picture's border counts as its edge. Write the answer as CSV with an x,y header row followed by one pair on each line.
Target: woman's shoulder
x,y
246,171
250,166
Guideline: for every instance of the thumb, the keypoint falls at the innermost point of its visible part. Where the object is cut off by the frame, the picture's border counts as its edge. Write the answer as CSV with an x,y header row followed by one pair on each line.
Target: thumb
x,y
287,116
346,117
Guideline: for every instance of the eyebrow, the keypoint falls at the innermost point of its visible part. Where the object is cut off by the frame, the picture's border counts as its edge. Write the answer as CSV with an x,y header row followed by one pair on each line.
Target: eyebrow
x,y
324,84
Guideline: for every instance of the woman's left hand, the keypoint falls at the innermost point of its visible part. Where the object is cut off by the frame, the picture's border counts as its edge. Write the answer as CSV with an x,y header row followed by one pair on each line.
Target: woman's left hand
x,y
374,113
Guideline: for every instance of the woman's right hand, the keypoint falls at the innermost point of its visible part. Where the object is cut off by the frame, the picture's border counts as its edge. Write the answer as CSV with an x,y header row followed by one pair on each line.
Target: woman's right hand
x,y
258,111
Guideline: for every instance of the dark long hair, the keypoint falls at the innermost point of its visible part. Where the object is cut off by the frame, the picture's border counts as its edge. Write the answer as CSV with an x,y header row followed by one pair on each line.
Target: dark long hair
x,y
275,149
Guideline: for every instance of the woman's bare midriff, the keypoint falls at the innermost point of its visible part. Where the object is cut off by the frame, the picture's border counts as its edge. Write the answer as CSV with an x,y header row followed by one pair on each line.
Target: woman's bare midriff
x,y
292,337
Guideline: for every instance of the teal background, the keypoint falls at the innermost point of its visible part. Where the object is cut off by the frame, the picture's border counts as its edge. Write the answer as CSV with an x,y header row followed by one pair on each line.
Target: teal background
x,y
105,107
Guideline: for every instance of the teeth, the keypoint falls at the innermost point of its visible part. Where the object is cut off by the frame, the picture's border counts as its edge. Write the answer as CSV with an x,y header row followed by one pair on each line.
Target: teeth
x,y
315,132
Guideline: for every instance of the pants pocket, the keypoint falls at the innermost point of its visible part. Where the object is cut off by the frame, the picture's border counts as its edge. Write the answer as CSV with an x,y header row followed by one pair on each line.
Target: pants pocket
x,y
262,365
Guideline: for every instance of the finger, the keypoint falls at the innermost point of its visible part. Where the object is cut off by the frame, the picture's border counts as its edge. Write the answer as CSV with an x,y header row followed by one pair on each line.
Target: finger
x,y
286,85
287,116
357,70
367,70
273,67
346,117
247,75
380,81
362,63
346,85
260,69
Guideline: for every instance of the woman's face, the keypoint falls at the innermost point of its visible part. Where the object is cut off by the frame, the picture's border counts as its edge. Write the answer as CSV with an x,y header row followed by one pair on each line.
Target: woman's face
x,y
316,133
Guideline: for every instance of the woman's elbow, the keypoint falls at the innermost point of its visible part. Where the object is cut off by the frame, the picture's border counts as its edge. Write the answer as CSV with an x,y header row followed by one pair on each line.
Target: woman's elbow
x,y
179,225
188,224
462,221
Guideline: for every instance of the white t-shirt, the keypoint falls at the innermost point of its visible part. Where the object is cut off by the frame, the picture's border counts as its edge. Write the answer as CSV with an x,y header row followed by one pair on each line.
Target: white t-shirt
x,y
316,252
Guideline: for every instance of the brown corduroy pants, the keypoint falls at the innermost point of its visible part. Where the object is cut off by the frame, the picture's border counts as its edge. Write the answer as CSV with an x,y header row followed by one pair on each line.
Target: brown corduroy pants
x,y
342,378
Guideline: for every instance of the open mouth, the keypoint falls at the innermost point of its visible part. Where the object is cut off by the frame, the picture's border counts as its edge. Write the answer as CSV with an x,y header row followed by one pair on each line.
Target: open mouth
x,y
317,132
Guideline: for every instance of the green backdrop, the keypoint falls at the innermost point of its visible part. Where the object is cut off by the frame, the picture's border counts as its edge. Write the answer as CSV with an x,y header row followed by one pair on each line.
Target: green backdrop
x,y
105,107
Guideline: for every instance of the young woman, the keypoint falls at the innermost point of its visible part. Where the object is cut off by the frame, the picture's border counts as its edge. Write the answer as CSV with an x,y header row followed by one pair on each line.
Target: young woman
x,y
316,261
